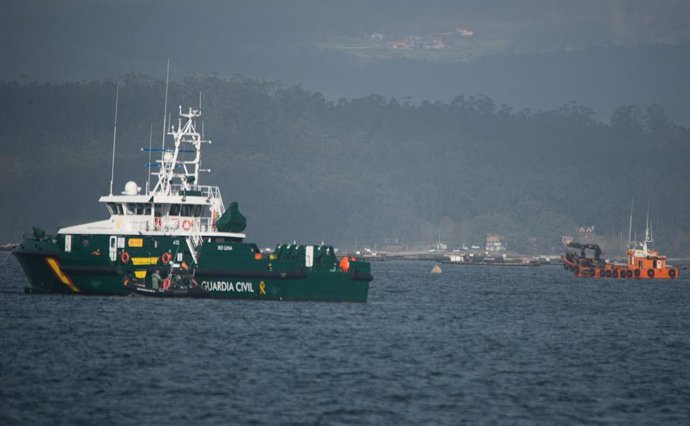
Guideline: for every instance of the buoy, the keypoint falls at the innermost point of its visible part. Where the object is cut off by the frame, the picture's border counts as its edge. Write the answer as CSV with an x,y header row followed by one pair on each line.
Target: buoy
x,y
436,269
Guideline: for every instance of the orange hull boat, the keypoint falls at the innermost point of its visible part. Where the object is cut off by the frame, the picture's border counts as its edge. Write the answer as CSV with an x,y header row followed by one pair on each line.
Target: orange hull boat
x,y
641,264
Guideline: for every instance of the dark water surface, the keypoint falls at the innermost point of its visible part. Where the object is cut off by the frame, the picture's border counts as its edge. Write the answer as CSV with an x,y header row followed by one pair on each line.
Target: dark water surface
x,y
474,345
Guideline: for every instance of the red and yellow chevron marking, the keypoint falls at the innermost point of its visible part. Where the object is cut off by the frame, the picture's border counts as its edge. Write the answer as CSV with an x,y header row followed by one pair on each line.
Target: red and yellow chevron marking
x,y
55,266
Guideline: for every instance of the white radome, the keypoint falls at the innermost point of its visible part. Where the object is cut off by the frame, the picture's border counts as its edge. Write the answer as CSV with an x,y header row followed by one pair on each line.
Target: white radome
x,y
131,188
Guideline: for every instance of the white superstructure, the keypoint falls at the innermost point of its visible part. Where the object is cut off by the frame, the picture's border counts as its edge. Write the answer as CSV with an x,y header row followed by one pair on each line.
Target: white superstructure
x,y
177,205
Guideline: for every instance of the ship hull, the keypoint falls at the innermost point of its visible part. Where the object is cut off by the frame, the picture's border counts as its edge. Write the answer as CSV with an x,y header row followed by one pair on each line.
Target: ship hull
x,y
312,286
616,271
38,273
225,271
47,274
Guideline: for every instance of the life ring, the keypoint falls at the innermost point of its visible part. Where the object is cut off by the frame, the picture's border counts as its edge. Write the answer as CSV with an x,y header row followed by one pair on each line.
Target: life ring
x,y
158,223
165,258
186,225
650,273
166,283
629,273
124,257
174,223
637,273
672,273
614,273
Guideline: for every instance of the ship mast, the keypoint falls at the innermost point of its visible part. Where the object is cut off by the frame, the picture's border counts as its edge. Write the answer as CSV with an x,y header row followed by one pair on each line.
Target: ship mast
x,y
171,164
632,203
112,168
647,232
165,106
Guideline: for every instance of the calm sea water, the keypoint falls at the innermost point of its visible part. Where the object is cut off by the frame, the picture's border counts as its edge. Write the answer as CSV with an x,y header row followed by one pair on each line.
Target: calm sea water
x,y
475,345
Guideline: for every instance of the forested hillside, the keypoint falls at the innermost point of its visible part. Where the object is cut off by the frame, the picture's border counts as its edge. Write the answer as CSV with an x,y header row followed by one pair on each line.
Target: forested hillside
x,y
361,172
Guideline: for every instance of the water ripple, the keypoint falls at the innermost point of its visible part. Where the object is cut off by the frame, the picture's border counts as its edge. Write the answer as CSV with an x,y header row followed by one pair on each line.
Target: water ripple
x,y
473,345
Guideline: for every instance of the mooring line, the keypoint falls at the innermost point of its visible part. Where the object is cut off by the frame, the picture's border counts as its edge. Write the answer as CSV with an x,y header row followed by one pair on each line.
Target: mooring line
x,y
5,259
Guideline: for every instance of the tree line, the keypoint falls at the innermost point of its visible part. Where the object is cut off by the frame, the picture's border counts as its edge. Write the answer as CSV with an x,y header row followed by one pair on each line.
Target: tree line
x,y
369,171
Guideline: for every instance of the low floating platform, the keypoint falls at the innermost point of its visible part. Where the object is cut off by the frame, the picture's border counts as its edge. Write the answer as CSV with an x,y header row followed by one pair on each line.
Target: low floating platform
x,y
141,290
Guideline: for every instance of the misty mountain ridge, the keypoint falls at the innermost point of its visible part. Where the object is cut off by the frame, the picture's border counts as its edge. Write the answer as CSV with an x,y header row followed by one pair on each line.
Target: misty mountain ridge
x,y
363,171
538,68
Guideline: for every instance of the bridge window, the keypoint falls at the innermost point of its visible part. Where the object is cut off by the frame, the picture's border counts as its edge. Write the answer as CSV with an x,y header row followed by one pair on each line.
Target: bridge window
x,y
187,210
174,209
197,211
137,209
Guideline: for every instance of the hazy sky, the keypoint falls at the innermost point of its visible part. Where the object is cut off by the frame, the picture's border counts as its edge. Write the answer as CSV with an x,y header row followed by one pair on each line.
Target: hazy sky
x,y
326,46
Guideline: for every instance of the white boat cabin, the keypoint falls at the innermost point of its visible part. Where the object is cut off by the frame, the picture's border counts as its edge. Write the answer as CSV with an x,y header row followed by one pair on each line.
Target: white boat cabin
x,y
177,205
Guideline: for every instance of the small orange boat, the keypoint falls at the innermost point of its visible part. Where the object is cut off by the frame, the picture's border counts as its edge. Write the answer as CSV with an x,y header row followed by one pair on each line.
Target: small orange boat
x,y
642,263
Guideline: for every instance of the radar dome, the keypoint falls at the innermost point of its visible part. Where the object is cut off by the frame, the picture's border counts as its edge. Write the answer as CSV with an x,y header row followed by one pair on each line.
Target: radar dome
x,y
131,188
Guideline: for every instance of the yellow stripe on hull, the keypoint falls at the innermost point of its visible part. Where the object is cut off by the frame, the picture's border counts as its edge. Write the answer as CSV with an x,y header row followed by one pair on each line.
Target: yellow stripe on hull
x,y
139,261
55,266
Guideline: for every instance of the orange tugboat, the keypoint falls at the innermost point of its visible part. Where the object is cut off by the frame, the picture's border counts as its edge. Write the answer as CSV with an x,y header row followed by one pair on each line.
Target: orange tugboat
x,y
642,263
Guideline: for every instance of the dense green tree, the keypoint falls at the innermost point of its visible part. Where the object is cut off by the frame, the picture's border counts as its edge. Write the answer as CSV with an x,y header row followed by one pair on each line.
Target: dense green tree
x,y
365,171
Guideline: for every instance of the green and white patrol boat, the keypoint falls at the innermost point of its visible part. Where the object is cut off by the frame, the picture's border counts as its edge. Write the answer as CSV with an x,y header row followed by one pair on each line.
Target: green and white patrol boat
x,y
180,225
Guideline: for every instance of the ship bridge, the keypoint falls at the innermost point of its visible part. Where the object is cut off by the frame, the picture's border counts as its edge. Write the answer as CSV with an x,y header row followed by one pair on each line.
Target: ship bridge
x,y
177,204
